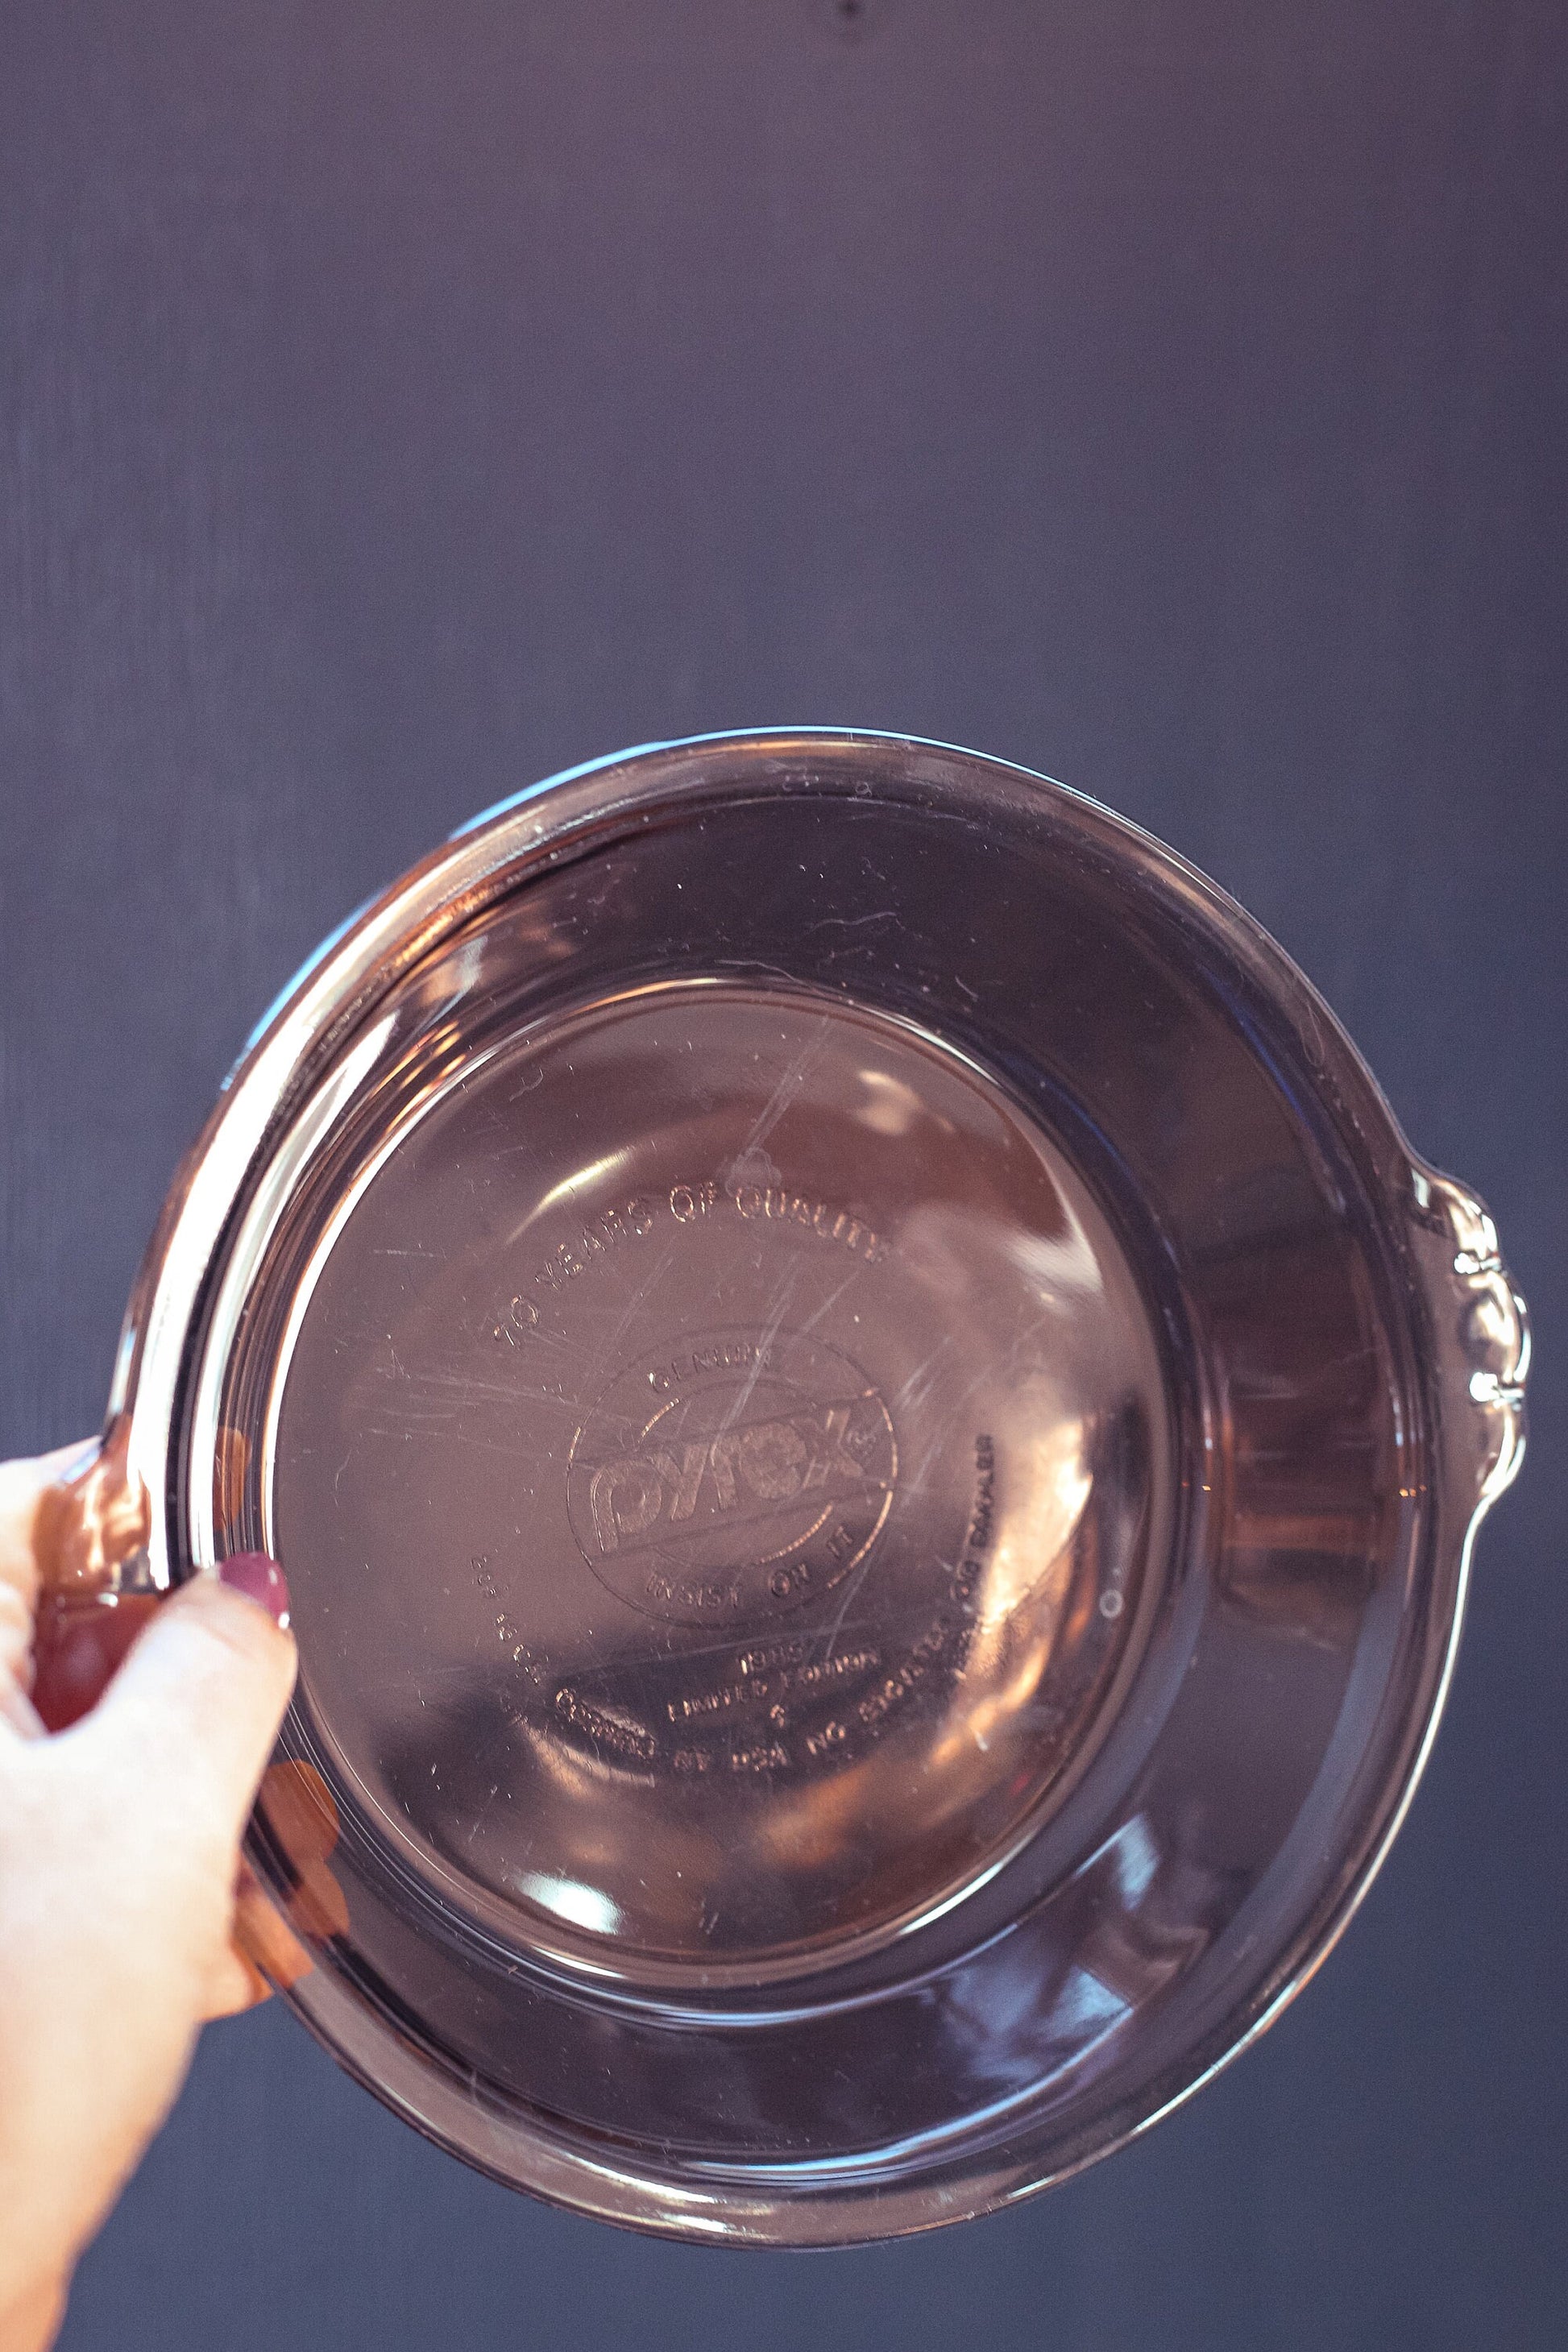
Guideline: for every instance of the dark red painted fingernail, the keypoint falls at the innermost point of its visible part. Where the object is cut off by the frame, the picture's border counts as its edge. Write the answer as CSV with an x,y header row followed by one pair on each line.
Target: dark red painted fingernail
x,y
259,1579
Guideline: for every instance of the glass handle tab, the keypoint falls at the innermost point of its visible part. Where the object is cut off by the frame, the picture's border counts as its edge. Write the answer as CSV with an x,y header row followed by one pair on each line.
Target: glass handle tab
x,y
1481,1324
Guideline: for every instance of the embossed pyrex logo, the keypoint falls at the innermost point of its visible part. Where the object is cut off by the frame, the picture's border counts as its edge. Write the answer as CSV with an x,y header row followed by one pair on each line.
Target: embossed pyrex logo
x,y
733,1478
742,1472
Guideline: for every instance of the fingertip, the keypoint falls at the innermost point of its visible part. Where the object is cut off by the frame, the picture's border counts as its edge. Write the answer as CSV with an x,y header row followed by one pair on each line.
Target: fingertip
x,y
242,1624
258,1579
22,1486
235,1985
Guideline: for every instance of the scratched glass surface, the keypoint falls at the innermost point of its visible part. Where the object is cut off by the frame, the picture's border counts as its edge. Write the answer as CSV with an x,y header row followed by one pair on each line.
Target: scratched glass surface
x,y
875,1435
717,1468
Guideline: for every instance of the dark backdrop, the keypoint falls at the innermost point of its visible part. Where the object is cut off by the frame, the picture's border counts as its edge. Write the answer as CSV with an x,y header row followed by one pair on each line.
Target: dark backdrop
x,y
403,398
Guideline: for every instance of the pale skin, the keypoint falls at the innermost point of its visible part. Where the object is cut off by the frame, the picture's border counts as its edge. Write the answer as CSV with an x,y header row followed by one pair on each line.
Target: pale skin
x,y
119,1850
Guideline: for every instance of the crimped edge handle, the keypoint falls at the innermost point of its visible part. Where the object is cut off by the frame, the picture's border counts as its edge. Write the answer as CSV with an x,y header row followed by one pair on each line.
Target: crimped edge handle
x,y
1482,1321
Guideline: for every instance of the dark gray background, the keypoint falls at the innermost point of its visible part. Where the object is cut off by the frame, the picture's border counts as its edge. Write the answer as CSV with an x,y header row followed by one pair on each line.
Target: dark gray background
x,y
402,400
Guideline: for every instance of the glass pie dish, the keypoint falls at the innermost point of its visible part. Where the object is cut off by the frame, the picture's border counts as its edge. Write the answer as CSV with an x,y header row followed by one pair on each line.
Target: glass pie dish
x,y
876,1437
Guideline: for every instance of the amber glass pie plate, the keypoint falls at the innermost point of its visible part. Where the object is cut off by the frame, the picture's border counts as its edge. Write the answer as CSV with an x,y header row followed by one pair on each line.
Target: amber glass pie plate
x,y
875,1434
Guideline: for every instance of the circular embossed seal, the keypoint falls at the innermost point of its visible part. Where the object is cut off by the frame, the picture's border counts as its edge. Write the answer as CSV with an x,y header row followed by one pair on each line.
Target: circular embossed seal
x,y
731,1476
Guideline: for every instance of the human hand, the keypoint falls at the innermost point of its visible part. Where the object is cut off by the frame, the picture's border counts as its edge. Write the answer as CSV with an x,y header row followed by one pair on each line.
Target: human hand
x,y
119,1850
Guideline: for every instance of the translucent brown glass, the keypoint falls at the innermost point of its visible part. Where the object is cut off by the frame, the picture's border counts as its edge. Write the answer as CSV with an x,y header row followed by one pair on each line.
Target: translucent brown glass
x,y
874,1435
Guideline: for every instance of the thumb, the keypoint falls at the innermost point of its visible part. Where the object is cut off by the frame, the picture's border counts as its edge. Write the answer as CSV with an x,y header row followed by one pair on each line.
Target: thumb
x,y
190,1717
